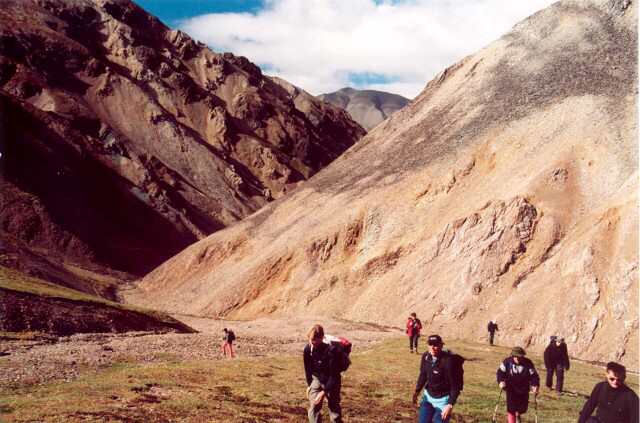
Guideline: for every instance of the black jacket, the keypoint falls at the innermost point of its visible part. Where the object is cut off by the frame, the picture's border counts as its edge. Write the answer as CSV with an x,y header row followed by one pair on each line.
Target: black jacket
x,y
518,377
492,327
438,377
320,363
555,356
614,405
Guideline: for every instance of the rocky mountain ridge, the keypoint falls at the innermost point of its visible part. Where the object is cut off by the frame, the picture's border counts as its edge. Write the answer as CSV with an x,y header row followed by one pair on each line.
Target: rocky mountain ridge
x,y
124,141
506,190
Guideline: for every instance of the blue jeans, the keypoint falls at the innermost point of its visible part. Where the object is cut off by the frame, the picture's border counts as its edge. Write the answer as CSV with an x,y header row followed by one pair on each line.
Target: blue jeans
x,y
431,409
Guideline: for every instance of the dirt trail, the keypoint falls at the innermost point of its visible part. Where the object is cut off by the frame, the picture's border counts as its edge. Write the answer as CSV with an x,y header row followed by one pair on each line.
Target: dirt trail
x,y
37,361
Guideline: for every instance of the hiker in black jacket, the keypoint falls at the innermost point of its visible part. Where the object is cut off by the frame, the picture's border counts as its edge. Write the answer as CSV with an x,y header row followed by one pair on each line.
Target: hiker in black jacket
x,y
556,359
517,375
615,401
322,375
441,390
492,327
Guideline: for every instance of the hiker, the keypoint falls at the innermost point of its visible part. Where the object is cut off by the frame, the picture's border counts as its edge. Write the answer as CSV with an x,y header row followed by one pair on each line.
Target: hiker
x,y
441,385
414,325
556,359
615,401
517,375
492,327
323,376
227,344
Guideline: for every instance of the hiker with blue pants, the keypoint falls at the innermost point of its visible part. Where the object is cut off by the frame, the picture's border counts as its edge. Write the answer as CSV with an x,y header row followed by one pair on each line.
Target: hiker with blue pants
x,y
436,383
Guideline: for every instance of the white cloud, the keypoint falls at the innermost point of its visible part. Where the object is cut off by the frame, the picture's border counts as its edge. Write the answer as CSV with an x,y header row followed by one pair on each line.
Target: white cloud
x,y
319,44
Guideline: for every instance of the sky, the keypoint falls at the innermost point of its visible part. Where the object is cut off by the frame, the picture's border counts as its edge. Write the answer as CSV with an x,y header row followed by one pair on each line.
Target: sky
x,y
324,45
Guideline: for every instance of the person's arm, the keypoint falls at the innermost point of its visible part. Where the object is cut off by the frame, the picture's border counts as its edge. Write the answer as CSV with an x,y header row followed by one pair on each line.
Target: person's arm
x,y
590,405
634,406
422,378
565,357
496,326
547,357
534,378
306,357
454,390
501,373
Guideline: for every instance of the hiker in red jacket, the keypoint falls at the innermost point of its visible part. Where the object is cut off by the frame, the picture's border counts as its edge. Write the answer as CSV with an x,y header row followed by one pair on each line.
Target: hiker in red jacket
x,y
414,325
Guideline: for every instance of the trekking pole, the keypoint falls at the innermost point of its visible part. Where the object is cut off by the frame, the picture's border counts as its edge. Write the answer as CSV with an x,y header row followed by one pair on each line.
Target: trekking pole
x,y
495,410
535,407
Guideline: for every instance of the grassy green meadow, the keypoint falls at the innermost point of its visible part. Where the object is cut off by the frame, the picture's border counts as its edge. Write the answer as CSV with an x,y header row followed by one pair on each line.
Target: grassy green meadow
x,y
377,388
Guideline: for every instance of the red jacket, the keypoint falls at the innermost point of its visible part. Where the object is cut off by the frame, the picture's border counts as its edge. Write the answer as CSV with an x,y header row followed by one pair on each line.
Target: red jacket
x,y
413,325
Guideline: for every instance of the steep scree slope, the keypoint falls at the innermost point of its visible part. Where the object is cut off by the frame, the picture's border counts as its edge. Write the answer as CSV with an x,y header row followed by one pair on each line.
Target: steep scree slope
x,y
506,190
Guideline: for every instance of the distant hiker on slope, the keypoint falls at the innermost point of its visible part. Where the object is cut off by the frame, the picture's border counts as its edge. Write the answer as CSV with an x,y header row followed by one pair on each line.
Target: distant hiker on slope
x,y
556,359
615,401
442,383
517,375
322,372
492,327
414,326
227,343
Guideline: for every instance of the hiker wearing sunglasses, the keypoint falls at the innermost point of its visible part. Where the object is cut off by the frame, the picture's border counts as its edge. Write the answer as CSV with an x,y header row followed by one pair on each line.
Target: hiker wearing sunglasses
x,y
438,377
613,401
517,375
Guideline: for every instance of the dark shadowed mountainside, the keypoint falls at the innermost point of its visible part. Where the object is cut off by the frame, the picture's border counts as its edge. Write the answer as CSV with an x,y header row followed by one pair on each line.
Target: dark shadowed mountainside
x,y
124,141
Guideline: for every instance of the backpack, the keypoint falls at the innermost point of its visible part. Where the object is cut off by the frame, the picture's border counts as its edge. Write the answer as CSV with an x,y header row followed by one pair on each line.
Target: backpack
x,y
341,348
457,363
231,336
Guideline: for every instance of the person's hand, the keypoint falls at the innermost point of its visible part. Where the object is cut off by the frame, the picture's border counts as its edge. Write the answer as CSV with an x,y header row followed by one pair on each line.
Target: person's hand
x,y
414,400
502,385
319,398
535,389
446,412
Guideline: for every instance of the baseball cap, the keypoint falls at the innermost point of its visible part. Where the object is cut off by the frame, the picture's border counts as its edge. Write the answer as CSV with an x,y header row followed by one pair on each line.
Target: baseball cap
x,y
434,340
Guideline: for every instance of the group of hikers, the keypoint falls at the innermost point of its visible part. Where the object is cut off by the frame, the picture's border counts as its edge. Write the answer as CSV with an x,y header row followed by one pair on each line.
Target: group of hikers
x,y
440,380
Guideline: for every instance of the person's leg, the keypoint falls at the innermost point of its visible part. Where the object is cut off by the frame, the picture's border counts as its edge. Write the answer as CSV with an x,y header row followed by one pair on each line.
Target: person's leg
x,y
411,343
560,378
313,412
335,410
416,342
549,381
231,349
425,415
491,335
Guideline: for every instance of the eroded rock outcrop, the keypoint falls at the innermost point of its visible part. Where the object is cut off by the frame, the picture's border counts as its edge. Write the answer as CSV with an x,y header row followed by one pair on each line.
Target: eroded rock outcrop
x,y
124,141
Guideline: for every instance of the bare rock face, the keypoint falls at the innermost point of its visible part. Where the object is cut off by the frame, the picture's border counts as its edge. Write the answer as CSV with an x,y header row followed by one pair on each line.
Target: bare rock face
x,y
507,190
367,107
123,141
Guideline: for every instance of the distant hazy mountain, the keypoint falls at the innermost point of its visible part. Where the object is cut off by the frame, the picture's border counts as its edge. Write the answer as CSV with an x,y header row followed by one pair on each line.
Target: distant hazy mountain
x,y
367,107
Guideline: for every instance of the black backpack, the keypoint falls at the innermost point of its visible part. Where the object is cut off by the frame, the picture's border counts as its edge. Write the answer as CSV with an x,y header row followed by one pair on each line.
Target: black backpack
x,y
231,336
457,363
341,348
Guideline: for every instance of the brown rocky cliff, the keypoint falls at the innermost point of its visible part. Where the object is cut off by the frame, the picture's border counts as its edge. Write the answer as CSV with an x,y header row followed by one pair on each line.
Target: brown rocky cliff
x,y
507,190
124,141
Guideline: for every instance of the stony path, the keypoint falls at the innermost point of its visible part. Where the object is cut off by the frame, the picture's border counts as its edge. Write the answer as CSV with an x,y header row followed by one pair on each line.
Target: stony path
x,y
29,362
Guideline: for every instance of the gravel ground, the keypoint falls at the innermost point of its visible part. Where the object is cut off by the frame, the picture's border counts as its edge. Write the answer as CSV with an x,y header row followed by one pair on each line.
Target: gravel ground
x,y
38,361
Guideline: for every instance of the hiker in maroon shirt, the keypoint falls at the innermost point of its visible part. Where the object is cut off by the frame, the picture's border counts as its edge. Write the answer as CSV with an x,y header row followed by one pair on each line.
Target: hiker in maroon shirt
x,y
414,325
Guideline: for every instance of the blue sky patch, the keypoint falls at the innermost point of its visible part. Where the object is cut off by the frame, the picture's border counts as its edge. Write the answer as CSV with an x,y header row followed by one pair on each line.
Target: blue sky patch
x,y
364,79
171,12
